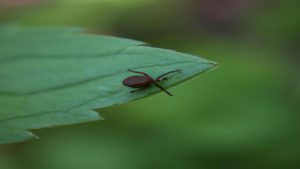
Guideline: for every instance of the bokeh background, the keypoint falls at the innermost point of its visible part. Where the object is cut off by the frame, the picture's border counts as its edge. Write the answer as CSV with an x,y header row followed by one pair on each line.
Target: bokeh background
x,y
243,115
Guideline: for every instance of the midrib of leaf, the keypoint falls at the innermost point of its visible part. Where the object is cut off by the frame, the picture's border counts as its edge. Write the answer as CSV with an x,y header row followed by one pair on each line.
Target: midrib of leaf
x,y
84,81
80,78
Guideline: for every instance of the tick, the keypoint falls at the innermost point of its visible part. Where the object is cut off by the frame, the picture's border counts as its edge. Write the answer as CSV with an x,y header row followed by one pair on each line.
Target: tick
x,y
142,82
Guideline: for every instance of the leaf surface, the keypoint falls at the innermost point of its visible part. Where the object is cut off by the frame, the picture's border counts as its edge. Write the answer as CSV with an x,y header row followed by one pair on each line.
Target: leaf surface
x,y
59,76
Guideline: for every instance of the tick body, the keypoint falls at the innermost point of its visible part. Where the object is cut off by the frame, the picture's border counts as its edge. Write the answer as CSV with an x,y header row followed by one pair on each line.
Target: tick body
x,y
137,81
144,81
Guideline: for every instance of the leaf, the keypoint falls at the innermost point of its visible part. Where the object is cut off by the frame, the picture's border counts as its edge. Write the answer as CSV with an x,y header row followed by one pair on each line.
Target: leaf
x,y
58,76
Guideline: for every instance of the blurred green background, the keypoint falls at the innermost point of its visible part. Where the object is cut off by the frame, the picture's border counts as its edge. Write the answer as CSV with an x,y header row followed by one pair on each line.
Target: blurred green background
x,y
245,114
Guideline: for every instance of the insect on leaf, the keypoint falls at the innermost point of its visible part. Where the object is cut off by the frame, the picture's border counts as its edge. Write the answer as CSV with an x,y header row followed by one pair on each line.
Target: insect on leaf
x,y
59,76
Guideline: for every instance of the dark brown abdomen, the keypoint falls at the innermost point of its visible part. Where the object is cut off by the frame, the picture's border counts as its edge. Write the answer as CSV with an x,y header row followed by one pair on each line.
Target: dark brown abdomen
x,y
137,81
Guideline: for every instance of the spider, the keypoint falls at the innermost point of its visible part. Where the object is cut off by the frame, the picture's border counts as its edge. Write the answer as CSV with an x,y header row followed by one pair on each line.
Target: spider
x,y
142,82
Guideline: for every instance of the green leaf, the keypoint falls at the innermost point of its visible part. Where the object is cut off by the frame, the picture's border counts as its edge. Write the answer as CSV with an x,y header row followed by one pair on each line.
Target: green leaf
x,y
58,76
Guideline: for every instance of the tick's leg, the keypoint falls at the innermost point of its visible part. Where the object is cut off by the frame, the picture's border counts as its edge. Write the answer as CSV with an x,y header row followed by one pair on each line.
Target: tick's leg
x,y
163,89
157,85
145,74
160,78
165,78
